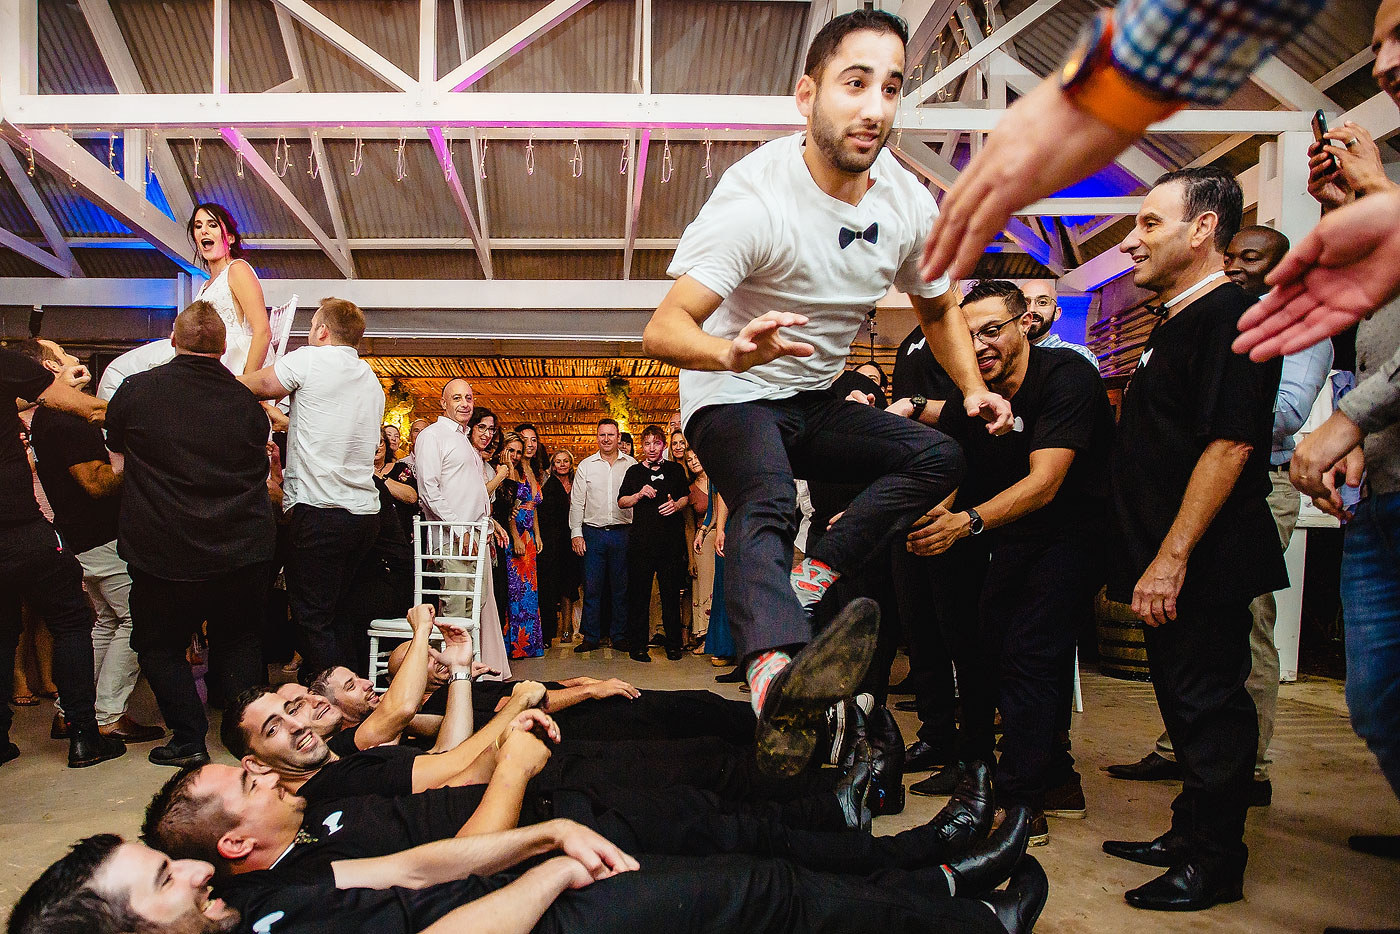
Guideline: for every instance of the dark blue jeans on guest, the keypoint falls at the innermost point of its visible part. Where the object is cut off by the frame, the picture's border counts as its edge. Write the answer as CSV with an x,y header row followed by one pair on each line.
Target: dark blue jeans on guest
x,y
604,560
1371,607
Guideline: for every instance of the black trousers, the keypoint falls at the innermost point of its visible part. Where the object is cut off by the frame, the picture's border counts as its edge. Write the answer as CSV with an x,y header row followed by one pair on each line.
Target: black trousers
x,y
958,577
166,613
753,451
649,558
1199,664
37,569
660,715
726,894
930,663
1033,598
325,548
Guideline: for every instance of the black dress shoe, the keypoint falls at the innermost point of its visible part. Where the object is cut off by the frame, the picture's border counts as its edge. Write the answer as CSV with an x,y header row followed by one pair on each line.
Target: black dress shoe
x,y
585,646
921,757
1019,905
88,747
1150,768
1166,850
1187,887
674,655
9,752
991,863
1376,844
887,786
845,726
828,668
621,645
642,656
939,783
967,817
1261,794
178,756
853,791
658,640
907,706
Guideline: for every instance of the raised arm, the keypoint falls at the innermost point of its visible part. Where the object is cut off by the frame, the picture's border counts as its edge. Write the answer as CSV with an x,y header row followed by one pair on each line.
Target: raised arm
x,y
437,770
401,701
65,398
674,336
264,383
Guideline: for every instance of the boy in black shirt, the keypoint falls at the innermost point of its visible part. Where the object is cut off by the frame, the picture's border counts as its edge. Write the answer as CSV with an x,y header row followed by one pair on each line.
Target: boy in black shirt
x,y
657,493
1193,538
1026,521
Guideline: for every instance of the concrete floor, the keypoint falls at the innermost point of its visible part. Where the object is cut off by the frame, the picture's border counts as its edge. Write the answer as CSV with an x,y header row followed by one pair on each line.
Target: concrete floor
x,y
1301,876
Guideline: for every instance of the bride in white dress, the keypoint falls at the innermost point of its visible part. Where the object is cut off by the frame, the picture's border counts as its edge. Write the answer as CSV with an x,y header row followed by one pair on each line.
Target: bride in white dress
x,y
232,289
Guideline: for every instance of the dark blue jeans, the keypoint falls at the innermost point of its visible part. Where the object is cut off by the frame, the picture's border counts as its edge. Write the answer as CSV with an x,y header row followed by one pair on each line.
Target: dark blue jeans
x,y
1371,606
604,560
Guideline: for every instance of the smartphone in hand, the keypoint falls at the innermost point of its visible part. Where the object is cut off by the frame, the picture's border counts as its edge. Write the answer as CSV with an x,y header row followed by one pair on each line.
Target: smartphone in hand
x,y
1319,128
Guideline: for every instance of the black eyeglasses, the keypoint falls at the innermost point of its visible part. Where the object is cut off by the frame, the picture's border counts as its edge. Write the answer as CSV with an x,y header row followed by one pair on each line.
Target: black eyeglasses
x,y
992,331
489,429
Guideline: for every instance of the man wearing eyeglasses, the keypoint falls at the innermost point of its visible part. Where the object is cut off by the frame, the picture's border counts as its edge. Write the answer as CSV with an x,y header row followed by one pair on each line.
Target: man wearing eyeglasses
x,y
1042,311
1019,537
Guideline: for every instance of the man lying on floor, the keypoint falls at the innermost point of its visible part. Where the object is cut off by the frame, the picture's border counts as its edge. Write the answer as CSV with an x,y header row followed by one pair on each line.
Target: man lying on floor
x,y
251,731
474,884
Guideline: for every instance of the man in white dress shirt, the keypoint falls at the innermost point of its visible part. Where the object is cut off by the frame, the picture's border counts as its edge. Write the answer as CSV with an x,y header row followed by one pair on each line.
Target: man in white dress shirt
x,y
337,406
599,528
452,488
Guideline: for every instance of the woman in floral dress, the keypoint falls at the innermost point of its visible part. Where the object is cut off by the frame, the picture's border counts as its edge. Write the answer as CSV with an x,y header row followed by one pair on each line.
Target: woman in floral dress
x,y
523,634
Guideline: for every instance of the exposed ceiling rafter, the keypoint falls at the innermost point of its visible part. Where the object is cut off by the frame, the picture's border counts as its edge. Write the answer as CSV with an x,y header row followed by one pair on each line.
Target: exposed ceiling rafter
x,y
481,64
66,265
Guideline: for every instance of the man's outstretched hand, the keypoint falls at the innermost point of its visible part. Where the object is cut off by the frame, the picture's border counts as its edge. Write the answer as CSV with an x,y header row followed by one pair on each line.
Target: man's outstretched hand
x,y
992,409
761,341
1347,267
1041,145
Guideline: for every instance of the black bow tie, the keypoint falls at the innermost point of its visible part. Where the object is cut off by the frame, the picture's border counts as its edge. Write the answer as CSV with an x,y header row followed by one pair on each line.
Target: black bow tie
x,y
1159,311
846,236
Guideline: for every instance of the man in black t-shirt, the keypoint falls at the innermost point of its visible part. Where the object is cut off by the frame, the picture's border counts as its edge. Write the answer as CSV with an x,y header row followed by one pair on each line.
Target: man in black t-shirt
x,y
85,494
36,567
1025,523
657,492
1192,538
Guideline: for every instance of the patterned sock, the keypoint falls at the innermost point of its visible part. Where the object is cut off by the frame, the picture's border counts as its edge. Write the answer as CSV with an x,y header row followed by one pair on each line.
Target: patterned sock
x,y
764,667
810,581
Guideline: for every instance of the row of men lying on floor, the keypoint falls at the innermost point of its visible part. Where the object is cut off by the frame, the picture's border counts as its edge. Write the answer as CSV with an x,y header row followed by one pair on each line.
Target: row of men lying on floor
x,y
331,824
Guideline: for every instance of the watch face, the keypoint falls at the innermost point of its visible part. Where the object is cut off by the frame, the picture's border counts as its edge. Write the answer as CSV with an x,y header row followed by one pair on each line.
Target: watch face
x,y
1076,64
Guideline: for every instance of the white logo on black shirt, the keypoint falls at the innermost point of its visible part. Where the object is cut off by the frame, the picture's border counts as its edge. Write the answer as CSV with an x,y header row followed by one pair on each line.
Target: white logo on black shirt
x,y
917,345
332,822
264,924
1146,355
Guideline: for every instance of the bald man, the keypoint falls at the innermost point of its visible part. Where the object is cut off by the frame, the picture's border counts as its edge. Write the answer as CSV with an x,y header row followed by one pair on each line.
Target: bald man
x,y
1042,311
1252,255
452,488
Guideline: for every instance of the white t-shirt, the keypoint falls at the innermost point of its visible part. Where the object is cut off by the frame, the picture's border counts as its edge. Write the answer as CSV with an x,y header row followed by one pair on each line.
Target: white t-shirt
x,y
137,360
769,239
337,407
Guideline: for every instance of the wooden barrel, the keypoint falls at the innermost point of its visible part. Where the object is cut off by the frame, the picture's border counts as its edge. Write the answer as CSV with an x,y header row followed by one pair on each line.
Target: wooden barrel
x,y
1122,645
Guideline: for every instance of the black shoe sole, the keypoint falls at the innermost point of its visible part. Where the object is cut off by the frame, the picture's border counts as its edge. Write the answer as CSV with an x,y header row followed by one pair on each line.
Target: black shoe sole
x,y
180,762
88,763
1219,898
828,669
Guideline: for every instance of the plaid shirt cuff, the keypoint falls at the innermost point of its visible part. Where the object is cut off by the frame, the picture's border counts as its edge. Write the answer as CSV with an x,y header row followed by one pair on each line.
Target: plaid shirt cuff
x,y
1202,50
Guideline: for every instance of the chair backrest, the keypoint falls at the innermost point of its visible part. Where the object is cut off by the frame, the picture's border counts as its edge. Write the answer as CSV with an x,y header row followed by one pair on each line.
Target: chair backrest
x,y
466,547
279,322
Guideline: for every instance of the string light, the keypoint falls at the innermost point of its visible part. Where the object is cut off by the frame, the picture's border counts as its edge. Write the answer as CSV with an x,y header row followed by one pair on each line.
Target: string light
x,y
150,156
449,159
112,153
357,158
281,156
313,161
241,160
626,155
400,165
530,155
72,181
576,161
667,166
29,152
481,163
197,144
709,169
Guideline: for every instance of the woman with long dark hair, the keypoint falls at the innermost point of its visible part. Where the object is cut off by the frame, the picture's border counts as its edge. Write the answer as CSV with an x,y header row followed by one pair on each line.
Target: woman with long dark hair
x,y
233,288
522,631
561,571
536,457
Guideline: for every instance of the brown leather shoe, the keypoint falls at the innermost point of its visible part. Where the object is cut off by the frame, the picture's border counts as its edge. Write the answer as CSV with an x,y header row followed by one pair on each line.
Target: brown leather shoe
x,y
60,728
129,731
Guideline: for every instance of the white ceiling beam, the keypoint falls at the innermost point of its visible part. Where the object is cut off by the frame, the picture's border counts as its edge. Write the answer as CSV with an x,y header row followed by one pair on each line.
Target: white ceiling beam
x,y
268,174
459,17
1029,240
636,179
1078,207
427,41
480,183
19,47
291,44
927,19
221,66
718,112
339,37
24,187
407,243
1346,69
1290,88
927,163
932,84
67,159
31,252
480,64
454,182
116,55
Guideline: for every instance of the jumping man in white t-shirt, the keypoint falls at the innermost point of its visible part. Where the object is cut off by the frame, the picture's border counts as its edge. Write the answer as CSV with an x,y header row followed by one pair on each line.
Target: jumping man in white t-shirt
x,y
797,243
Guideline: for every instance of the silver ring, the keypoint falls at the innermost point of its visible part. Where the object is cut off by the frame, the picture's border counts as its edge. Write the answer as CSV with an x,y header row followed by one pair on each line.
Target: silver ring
x,y
1351,142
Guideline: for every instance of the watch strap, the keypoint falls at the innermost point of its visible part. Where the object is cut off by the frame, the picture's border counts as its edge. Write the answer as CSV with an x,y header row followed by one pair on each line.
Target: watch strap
x,y
1111,97
459,676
